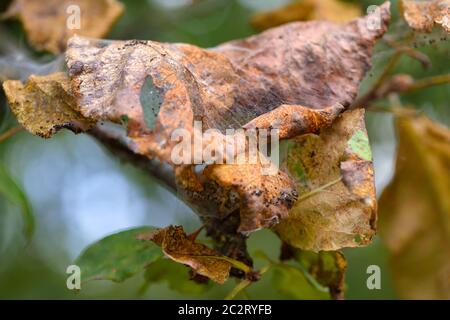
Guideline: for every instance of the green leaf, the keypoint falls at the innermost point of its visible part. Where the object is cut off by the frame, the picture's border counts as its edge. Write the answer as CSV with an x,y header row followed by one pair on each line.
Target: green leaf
x,y
118,256
326,267
151,102
359,144
14,193
293,283
176,275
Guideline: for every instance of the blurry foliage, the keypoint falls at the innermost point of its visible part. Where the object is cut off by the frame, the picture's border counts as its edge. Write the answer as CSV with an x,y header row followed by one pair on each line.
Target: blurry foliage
x,y
28,273
14,193
118,256
415,210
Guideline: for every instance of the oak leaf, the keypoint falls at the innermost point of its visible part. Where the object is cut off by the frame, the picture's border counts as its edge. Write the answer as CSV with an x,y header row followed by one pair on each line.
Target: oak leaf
x,y
336,207
415,210
47,25
424,15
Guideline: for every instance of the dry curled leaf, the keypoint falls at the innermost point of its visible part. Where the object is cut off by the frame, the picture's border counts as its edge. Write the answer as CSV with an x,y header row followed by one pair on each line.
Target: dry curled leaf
x,y
303,10
162,87
48,26
336,207
415,210
424,15
263,198
182,249
44,104
297,78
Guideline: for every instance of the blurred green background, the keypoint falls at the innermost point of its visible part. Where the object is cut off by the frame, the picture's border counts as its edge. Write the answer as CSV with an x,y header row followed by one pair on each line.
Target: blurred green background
x,y
79,192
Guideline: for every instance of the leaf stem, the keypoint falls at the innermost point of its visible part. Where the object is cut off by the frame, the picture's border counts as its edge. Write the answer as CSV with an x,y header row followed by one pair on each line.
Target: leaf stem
x,y
242,285
429,82
235,263
9,133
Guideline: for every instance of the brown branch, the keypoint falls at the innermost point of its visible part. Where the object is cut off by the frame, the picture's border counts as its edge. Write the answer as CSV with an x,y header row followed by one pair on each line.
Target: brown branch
x,y
9,133
411,52
365,99
119,146
428,82
400,84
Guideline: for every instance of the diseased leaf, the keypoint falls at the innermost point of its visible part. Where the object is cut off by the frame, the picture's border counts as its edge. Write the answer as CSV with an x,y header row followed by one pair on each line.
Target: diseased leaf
x,y
179,247
175,274
292,283
327,267
44,105
118,256
303,75
415,210
298,78
14,193
293,120
424,15
49,26
303,10
267,196
336,207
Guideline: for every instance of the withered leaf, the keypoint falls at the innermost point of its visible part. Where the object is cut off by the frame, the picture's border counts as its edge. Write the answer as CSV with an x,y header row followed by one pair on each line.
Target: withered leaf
x,y
296,120
263,198
163,87
180,248
415,210
47,25
336,207
303,10
44,104
424,15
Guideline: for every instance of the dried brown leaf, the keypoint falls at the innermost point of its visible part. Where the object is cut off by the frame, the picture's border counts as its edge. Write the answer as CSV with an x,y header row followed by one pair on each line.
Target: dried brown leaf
x,y
182,249
336,207
297,77
44,105
304,10
415,210
424,15
292,74
264,199
46,25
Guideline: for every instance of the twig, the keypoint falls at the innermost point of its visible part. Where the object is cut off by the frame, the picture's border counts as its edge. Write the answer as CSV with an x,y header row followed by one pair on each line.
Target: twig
x,y
118,146
428,82
371,94
400,84
9,133
242,285
411,52
193,236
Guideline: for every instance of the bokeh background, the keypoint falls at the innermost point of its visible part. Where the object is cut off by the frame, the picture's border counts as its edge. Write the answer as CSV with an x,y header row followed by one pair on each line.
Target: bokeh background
x,y
80,193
